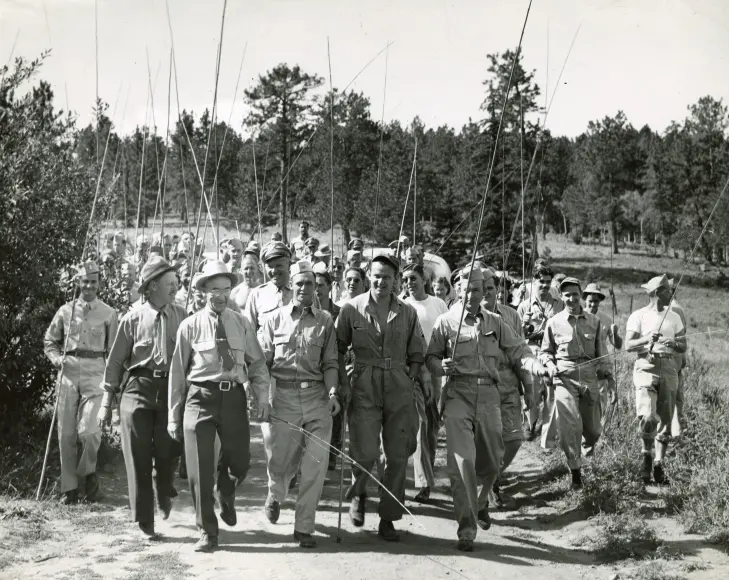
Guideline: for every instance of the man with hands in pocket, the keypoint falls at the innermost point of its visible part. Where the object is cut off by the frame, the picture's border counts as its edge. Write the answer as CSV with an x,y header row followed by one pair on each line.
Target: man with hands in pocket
x,y
300,347
472,411
216,354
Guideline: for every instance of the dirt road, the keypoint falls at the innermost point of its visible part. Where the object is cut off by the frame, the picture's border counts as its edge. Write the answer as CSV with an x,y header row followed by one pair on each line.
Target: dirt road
x,y
536,537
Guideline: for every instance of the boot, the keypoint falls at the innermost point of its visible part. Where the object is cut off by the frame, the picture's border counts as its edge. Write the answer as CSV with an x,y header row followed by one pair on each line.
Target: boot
x,y
92,488
206,543
423,495
498,500
164,505
658,474
576,479
305,540
647,468
227,509
483,519
272,509
387,531
69,498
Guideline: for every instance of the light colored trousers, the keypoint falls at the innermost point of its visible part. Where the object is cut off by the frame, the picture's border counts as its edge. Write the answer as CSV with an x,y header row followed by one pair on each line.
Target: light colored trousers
x,y
656,388
475,447
79,400
427,442
306,408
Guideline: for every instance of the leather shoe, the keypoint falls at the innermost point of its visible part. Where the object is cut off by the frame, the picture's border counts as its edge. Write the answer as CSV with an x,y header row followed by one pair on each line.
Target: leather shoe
x,y
148,532
164,505
659,476
69,498
387,531
227,509
206,543
483,519
498,499
357,510
576,479
272,509
464,545
423,495
305,540
93,492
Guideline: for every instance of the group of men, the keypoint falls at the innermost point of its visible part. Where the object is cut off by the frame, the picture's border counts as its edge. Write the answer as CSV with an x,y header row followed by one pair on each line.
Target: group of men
x,y
320,341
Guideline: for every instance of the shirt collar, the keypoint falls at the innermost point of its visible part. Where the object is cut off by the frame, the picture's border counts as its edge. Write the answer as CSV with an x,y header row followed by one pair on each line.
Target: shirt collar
x,y
582,314
91,305
291,308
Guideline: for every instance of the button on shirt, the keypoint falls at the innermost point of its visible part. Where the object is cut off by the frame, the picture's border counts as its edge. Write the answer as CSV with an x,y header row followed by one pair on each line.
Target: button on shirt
x,y
134,344
574,339
300,345
264,301
482,337
92,327
197,359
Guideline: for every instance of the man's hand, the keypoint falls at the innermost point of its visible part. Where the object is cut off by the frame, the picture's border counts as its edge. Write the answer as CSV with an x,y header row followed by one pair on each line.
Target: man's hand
x,y
543,371
103,419
668,342
612,391
334,406
175,431
264,410
448,365
614,330
655,336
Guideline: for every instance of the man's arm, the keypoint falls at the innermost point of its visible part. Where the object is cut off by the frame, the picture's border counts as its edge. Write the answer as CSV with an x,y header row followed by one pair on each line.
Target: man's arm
x,y
437,349
257,369
415,346
177,385
330,358
112,326
548,350
53,339
120,352
343,330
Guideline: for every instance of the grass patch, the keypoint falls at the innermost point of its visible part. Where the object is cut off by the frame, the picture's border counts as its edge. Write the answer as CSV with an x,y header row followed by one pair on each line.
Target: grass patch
x,y
653,571
159,566
85,573
624,536
105,559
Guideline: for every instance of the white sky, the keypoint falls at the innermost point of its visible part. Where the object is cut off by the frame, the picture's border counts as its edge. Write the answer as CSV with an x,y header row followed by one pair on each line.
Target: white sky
x,y
650,58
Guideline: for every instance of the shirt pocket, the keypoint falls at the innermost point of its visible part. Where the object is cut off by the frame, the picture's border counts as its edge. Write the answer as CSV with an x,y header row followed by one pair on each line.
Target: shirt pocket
x,y
142,348
205,354
563,342
490,344
238,347
282,347
97,336
465,347
360,338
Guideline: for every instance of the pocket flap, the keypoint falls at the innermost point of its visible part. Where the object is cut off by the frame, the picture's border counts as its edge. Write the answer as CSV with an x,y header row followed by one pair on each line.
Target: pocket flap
x,y
281,339
203,345
562,339
464,338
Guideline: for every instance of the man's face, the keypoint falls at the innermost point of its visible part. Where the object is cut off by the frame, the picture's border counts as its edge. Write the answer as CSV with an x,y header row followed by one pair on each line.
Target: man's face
x,y
323,288
338,272
277,270
236,251
664,295
164,289
544,284
217,292
199,299
119,247
472,294
354,283
571,297
382,278
489,292
592,302
249,268
414,283
440,290
89,286
303,231
186,242
303,287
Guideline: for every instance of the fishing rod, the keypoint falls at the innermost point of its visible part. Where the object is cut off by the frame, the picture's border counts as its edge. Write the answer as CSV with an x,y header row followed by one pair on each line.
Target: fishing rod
x,y
382,135
405,207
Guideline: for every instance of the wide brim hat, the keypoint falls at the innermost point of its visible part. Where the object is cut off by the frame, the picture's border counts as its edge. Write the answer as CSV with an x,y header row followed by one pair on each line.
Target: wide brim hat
x,y
655,283
212,269
593,288
155,267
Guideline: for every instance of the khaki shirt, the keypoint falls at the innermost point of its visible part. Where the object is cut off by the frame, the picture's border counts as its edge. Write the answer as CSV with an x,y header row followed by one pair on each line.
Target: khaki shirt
x,y
196,357
511,317
301,345
264,301
92,327
539,311
573,339
134,343
482,340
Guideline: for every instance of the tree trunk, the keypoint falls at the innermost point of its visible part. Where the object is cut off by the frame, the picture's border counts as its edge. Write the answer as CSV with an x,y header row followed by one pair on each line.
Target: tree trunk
x,y
282,203
642,239
564,222
614,232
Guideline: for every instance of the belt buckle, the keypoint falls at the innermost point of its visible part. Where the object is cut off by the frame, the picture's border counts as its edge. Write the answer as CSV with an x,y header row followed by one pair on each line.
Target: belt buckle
x,y
482,381
305,384
388,363
158,374
225,386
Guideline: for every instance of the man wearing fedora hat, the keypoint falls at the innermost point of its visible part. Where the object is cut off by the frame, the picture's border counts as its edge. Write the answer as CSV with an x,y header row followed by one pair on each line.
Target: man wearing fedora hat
x,y
215,356
472,400
656,333
300,347
76,342
323,255
572,339
143,346
388,346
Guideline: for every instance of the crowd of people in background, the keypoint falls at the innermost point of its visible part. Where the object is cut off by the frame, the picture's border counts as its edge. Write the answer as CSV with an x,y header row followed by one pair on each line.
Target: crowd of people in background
x,y
309,342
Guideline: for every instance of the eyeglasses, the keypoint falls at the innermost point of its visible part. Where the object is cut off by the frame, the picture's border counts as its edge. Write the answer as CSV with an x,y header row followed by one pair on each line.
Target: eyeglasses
x,y
219,291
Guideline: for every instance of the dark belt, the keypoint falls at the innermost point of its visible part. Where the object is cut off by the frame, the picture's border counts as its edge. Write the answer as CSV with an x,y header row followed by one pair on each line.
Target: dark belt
x,y
86,353
298,384
223,386
381,363
148,373
480,381
657,354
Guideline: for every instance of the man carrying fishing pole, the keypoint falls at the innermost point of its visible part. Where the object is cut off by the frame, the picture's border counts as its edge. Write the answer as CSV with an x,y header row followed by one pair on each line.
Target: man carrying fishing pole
x,y
300,347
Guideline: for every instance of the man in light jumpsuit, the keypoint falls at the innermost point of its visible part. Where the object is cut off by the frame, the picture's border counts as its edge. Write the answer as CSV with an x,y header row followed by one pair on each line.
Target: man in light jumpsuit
x,y
300,347
91,329
572,339
657,334
472,399
388,347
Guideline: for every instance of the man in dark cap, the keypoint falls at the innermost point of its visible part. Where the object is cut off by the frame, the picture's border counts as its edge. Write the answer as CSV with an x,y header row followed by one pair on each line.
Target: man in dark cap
x,y
144,344
388,347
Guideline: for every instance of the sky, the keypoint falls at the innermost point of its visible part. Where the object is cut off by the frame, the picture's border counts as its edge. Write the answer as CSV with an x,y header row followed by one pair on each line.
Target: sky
x,y
648,58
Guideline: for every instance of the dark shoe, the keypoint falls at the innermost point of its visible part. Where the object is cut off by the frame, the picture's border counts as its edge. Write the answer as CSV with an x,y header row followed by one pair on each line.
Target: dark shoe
x,y
93,492
531,432
498,500
272,509
148,532
576,479
227,509
647,468
172,492
659,475
69,498
206,543
164,505
483,519
357,510
464,545
423,495
387,531
305,540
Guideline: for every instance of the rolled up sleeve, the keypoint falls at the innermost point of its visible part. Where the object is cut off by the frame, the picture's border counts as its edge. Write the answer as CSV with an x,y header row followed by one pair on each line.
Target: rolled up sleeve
x,y
121,351
258,374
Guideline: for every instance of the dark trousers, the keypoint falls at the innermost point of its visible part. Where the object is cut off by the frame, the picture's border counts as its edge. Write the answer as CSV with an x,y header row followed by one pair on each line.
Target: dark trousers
x,y
148,449
209,411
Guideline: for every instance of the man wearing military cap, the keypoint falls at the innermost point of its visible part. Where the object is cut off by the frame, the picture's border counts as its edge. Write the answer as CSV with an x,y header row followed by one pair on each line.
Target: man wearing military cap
x,y
657,334
76,342
472,410
355,243
215,355
312,245
300,346
143,346
388,346
298,245
573,339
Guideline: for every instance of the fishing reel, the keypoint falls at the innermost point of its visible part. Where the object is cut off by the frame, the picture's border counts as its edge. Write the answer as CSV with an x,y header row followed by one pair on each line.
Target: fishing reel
x,y
531,333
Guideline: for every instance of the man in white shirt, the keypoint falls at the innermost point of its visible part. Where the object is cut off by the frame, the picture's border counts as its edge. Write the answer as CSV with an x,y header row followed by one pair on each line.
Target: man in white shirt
x,y
428,309
657,334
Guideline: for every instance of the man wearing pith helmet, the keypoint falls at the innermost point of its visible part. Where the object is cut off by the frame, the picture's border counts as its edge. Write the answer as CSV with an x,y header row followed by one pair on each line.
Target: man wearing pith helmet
x,y
472,410
573,349
656,333
79,336
300,346
143,346
216,354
